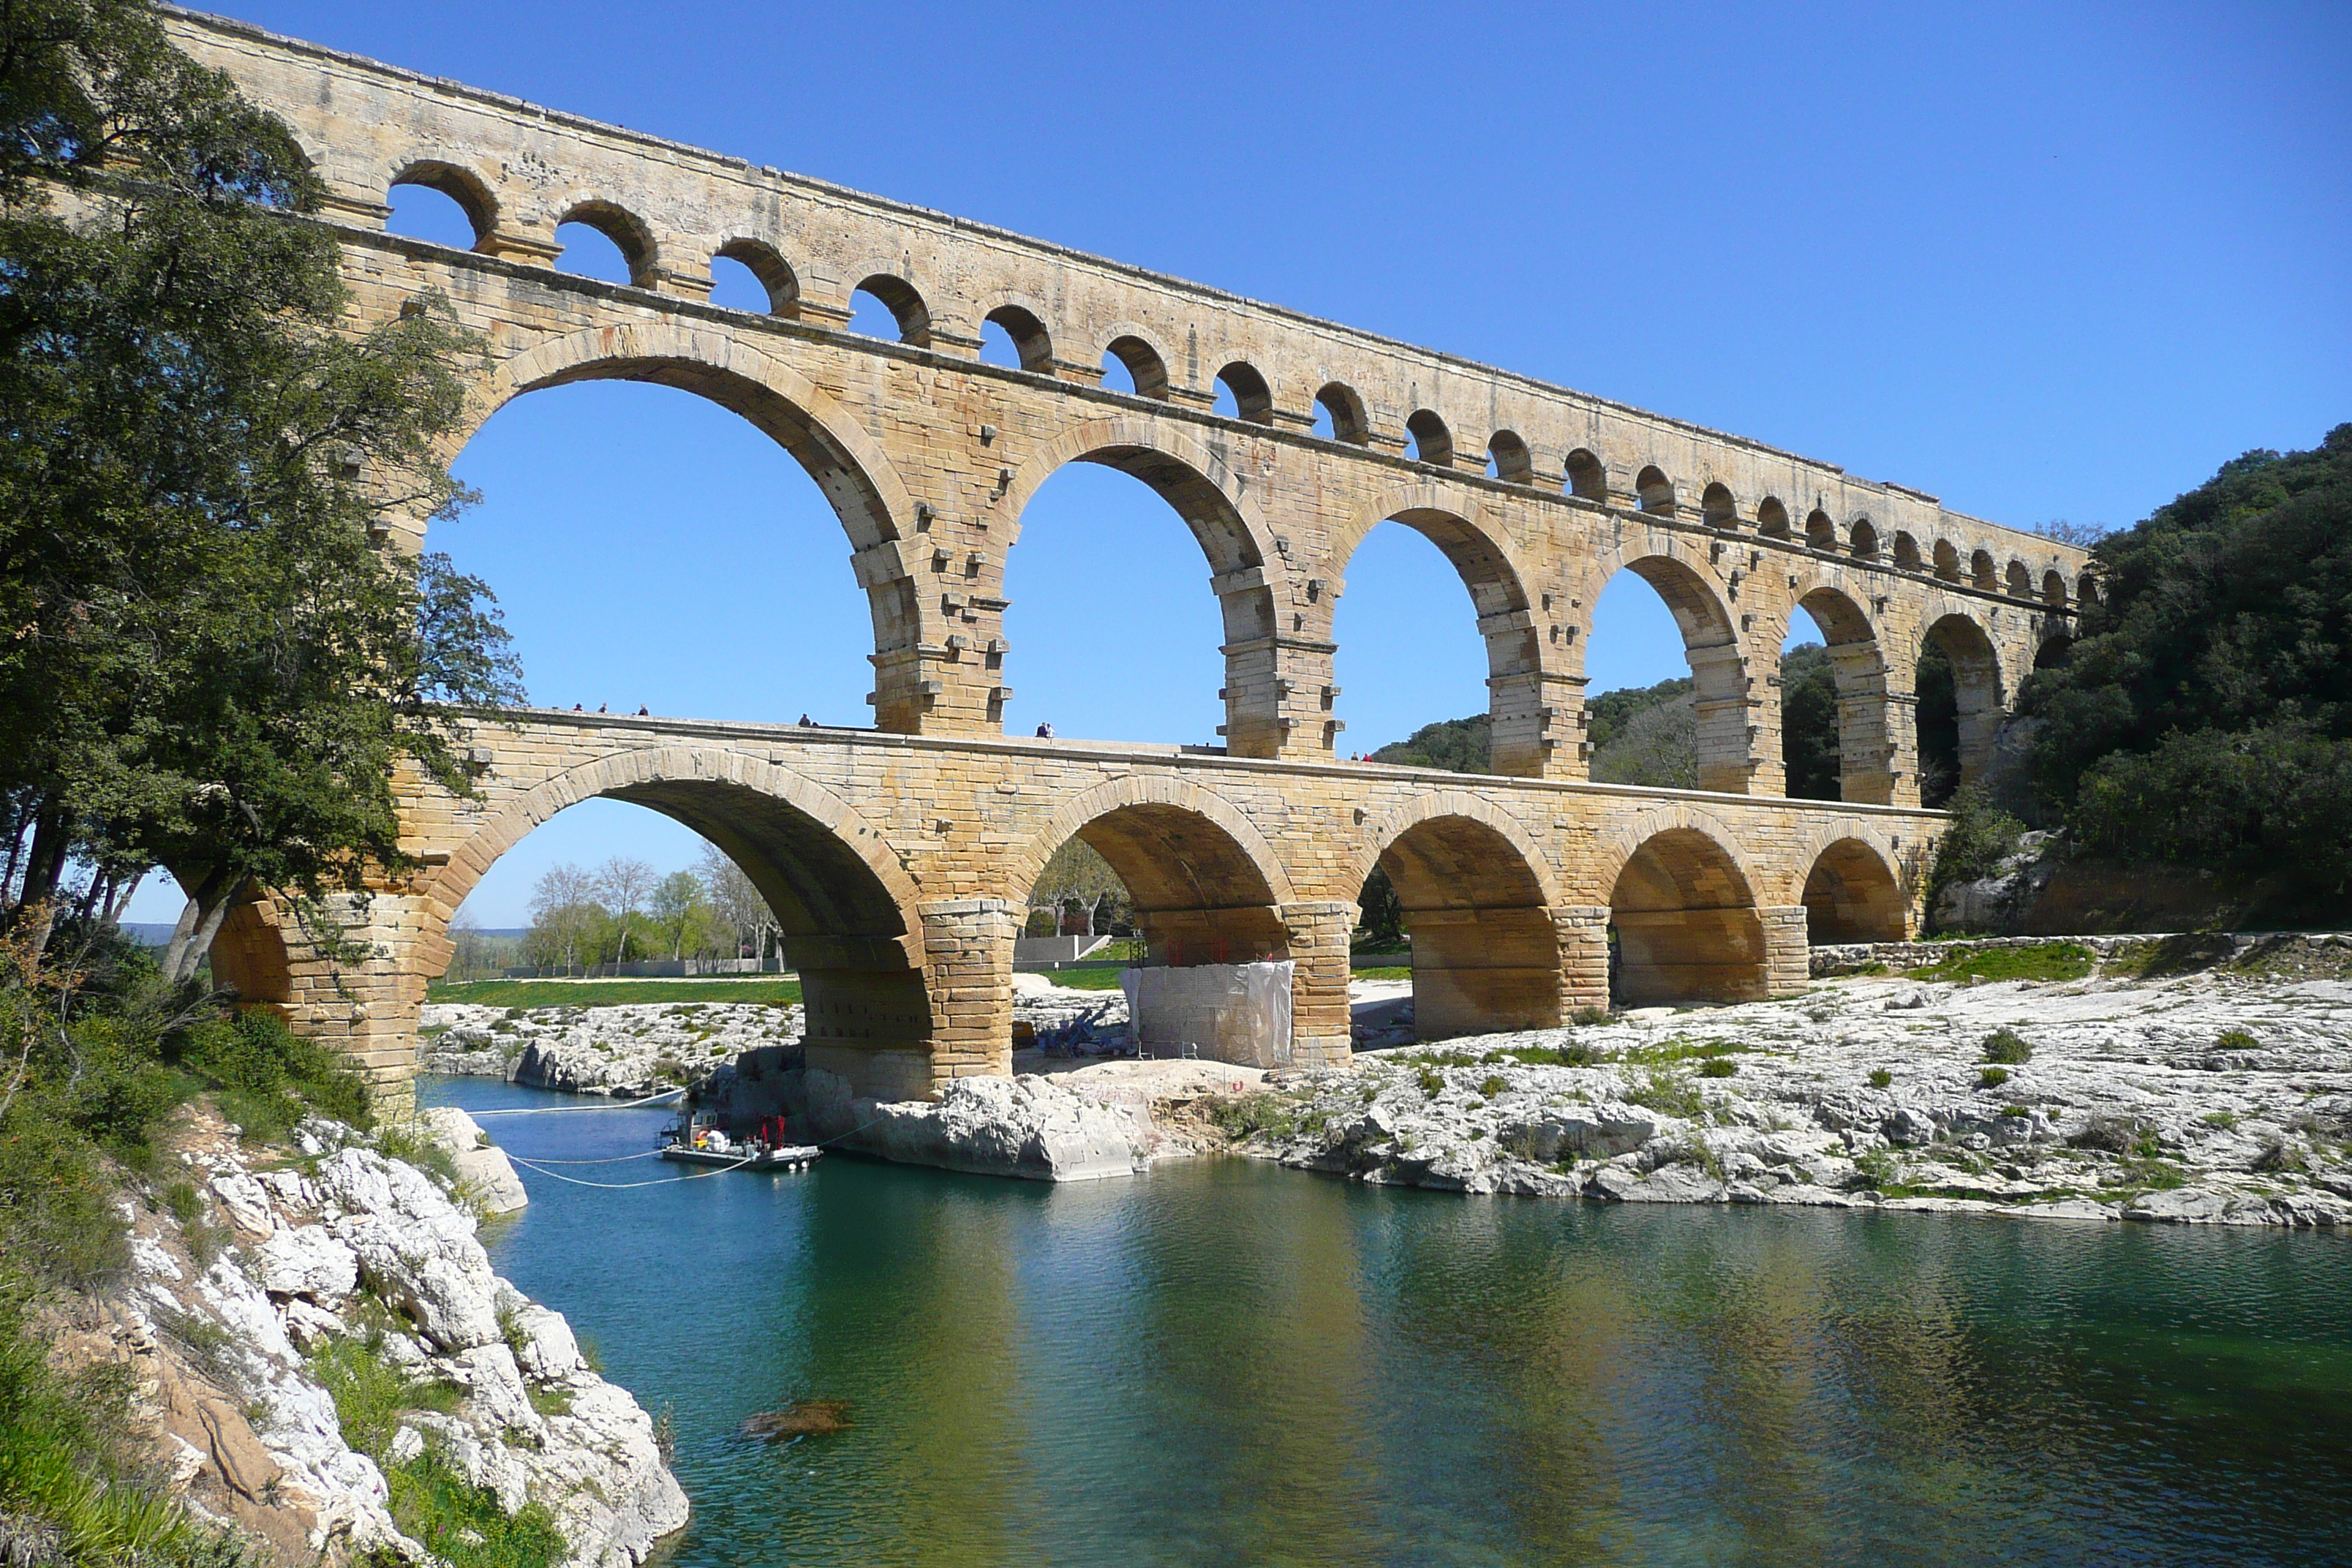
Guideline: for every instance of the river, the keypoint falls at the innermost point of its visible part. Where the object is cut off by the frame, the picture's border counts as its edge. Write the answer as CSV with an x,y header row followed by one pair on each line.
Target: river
x,y
1227,1363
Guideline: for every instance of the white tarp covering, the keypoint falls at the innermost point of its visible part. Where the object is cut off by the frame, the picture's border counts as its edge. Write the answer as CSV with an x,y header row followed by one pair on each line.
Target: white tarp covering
x,y
1238,1013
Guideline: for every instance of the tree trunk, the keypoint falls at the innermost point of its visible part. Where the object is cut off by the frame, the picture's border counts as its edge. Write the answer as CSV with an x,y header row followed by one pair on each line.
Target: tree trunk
x,y
121,898
42,868
199,923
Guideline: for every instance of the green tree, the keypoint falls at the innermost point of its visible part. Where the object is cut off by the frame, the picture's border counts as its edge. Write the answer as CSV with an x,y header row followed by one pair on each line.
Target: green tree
x,y
1607,714
1457,745
681,910
2205,712
212,661
1809,722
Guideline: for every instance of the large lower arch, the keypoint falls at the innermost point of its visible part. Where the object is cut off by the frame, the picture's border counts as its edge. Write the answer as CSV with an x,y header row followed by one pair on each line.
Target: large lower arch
x,y
1684,914
1851,893
1520,700
1865,747
847,909
1727,753
1247,570
848,466
1208,887
1478,899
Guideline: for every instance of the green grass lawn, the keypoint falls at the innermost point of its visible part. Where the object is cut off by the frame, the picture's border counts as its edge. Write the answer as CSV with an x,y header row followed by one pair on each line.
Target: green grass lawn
x,y
2061,961
1388,972
751,989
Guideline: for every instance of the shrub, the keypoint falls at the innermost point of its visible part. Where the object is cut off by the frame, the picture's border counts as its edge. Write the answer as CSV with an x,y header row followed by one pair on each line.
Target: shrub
x,y
1975,840
266,1078
1717,1067
2108,1134
1433,1082
2015,1112
1665,1090
1250,1115
1493,1085
1588,1016
1992,1078
2237,1040
2221,1121
2161,1175
1574,1055
2006,1045
2279,1155
1880,1077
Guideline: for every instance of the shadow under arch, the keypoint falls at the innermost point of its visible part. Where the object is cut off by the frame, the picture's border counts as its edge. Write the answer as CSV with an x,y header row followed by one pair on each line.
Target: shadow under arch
x,y
1852,894
1865,749
849,467
1207,887
1684,916
1483,558
846,908
1976,694
1477,897
1247,573
1727,758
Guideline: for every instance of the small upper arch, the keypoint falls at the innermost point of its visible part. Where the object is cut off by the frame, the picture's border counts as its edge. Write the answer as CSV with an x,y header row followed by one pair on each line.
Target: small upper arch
x,y
1717,508
905,304
1345,410
775,274
2020,581
1948,560
1031,341
1587,476
1820,531
1866,540
1772,517
1145,367
1495,848
2087,589
1512,462
627,231
1981,571
460,184
1655,490
1907,552
1432,441
1252,399
2053,588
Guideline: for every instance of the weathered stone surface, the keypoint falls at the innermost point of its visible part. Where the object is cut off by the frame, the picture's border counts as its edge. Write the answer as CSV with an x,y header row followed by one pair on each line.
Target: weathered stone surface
x,y
1023,1127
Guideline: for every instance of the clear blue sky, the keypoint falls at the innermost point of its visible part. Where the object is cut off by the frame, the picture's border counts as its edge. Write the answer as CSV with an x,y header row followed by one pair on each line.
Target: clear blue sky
x,y
2043,261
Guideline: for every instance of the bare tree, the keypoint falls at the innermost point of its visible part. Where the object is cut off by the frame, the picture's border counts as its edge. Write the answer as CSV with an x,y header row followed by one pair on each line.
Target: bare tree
x,y
2081,535
626,884
738,900
563,907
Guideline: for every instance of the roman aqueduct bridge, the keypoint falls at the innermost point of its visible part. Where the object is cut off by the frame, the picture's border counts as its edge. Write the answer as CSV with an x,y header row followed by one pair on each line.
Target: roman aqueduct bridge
x,y
900,858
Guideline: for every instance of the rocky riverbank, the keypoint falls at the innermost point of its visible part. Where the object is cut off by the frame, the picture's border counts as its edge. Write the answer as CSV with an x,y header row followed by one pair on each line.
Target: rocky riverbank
x,y
627,1051
2219,1095
311,1337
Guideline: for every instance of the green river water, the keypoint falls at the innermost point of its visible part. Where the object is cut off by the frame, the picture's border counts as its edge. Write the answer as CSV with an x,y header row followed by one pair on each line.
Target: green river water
x,y
1227,1363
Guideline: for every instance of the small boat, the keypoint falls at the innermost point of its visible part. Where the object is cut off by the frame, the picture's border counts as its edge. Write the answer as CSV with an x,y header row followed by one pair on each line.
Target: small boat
x,y
697,1139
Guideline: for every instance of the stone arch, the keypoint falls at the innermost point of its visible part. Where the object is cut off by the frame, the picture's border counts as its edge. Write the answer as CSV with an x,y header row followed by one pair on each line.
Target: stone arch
x,y
1655,492
1977,688
1207,887
848,465
250,955
1948,560
1514,465
1983,572
774,273
847,907
1030,339
1587,477
1851,889
1483,555
1866,540
1683,908
1907,553
903,301
1772,517
1821,533
1253,398
1865,746
2020,582
1247,572
1350,423
461,184
625,229
1432,441
2052,649
1718,668
1717,507
1477,897
2087,589
1144,365
2053,588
